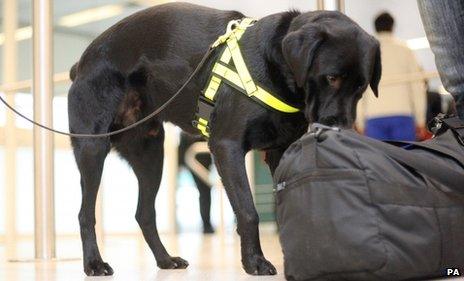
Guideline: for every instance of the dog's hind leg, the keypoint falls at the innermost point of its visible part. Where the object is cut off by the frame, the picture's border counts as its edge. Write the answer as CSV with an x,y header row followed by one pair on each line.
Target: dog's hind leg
x,y
90,157
92,105
145,155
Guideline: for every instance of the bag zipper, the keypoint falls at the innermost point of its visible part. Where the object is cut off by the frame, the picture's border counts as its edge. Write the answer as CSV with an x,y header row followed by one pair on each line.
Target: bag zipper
x,y
348,173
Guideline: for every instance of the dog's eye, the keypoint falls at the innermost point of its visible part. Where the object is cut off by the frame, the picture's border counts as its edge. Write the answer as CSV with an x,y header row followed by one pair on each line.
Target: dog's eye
x,y
332,78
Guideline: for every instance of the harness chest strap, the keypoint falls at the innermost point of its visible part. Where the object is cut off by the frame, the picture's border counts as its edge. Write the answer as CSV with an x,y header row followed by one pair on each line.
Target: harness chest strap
x,y
240,78
259,93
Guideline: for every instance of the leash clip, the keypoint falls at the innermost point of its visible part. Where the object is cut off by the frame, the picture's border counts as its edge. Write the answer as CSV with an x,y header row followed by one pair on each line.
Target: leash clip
x,y
317,129
232,27
229,31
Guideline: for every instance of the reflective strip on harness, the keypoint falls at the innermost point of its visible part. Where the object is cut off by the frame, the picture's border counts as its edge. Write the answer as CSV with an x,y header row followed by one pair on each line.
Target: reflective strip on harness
x,y
230,76
238,76
247,81
213,87
202,125
227,74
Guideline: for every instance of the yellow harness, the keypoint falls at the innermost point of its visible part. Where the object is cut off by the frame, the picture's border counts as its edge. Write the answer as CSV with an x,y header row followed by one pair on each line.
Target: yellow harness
x,y
236,76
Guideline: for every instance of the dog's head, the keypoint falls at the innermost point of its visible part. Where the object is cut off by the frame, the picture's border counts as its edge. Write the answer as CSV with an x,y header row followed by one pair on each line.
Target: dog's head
x,y
333,60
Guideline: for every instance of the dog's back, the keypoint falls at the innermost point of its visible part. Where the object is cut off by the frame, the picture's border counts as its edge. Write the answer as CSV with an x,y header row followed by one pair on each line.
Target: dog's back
x,y
176,34
158,32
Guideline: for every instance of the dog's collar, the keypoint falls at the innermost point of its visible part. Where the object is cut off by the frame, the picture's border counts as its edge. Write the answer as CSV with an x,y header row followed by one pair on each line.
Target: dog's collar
x,y
236,76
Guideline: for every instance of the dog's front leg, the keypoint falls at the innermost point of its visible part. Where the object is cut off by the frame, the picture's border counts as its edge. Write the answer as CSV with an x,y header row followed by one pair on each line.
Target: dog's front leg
x,y
230,160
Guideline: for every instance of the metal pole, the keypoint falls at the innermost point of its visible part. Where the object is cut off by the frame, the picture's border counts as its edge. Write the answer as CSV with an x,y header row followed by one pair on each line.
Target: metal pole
x,y
9,73
336,5
43,140
340,5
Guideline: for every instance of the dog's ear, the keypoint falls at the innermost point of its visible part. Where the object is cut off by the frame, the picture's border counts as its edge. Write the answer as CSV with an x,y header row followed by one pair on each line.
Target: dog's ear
x,y
299,49
376,72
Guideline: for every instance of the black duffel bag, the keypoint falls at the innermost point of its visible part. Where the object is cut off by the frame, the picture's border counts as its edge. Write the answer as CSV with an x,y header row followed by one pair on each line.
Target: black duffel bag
x,y
353,208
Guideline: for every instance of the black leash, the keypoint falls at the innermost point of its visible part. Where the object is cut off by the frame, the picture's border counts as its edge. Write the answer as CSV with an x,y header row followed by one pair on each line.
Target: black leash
x,y
141,121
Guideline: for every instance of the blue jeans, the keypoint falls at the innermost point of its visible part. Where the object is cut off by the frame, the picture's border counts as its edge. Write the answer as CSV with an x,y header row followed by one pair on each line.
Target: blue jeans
x,y
392,128
444,24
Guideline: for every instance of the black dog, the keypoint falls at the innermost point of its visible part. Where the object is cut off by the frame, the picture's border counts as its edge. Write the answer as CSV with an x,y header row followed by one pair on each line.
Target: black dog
x,y
321,61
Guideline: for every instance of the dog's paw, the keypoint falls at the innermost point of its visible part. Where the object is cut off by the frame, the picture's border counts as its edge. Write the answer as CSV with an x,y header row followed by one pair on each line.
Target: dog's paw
x,y
98,268
258,265
173,263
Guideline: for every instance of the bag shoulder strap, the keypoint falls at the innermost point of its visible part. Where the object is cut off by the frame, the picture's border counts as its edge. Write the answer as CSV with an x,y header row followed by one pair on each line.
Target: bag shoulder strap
x,y
444,175
457,126
437,144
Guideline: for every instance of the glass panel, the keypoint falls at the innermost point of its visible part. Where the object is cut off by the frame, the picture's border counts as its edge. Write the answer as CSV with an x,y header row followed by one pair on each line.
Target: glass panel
x,y
60,113
2,189
24,105
119,187
25,191
2,112
67,193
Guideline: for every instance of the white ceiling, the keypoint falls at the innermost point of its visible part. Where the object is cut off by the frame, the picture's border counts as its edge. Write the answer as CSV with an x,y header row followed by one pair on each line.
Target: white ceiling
x,y
65,7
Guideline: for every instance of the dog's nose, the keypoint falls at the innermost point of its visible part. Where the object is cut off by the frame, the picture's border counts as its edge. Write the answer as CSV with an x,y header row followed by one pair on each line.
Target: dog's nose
x,y
334,121
329,121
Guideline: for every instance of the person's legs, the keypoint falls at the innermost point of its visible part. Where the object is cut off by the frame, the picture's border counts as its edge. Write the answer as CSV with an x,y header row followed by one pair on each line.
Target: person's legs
x,y
444,24
203,188
403,128
205,193
377,128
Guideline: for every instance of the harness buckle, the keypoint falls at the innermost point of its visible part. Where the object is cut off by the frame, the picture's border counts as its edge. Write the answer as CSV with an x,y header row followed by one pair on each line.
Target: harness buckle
x,y
205,108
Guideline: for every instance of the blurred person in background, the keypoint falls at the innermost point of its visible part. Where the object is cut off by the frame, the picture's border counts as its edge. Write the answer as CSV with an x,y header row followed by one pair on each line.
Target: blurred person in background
x,y
399,113
203,187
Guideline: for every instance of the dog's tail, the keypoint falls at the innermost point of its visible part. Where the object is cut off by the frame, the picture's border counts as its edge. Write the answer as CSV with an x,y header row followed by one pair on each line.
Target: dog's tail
x,y
73,72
